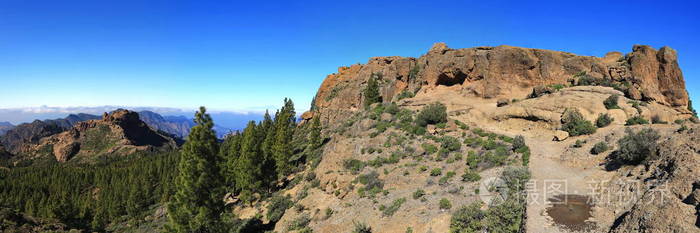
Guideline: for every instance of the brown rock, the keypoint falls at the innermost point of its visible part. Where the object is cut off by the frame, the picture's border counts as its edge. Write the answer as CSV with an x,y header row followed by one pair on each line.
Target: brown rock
x,y
560,135
502,102
501,72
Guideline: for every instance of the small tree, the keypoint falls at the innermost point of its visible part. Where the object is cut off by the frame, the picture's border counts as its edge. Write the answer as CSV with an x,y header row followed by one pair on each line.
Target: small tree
x,y
575,124
372,91
432,114
611,102
636,147
603,120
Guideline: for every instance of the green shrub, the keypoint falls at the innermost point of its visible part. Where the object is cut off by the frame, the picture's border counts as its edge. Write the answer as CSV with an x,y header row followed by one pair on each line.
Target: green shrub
x,y
277,206
470,176
636,120
432,114
450,143
361,228
611,102
418,194
392,108
575,124
691,109
353,165
505,217
299,223
445,204
515,177
390,210
579,143
468,219
429,148
371,180
472,160
518,142
436,171
599,147
405,95
603,120
423,168
636,147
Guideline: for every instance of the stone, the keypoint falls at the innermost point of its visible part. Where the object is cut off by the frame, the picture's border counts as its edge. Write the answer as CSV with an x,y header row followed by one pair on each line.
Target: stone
x,y
560,135
502,102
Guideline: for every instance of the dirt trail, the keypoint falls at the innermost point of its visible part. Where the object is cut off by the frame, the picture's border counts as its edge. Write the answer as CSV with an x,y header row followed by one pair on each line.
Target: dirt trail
x,y
548,172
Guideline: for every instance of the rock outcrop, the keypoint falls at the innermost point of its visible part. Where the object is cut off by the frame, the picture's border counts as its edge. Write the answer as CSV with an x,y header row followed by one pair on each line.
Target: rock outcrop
x,y
668,188
120,132
505,72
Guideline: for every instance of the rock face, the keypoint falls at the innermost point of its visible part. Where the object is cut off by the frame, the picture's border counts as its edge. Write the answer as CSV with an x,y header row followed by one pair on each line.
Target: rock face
x,y
670,189
504,72
120,132
17,140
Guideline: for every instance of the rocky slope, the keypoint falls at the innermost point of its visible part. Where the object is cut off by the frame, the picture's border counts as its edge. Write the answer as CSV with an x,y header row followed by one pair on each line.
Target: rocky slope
x,y
118,133
30,133
505,72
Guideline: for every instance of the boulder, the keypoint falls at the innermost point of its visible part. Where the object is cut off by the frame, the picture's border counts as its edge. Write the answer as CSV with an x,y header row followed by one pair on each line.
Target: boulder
x,y
560,135
502,102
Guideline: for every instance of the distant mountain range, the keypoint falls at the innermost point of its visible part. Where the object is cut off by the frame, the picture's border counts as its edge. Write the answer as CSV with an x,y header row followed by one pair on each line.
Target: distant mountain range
x,y
14,137
5,126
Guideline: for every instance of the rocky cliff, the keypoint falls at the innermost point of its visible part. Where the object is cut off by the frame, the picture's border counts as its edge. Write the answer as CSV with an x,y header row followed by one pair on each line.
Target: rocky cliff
x,y
506,72
120,132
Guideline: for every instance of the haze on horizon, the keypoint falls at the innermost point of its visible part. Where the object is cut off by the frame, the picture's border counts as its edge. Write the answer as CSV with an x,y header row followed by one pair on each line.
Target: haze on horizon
x,y
240,56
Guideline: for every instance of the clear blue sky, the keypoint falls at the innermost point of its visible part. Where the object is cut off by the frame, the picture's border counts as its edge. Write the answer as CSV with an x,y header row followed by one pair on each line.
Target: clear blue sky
x,y
249,55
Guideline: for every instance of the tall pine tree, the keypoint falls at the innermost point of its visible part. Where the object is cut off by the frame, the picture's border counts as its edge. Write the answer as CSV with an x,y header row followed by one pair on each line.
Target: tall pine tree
x,y
282,149
315,139
197,204
248,169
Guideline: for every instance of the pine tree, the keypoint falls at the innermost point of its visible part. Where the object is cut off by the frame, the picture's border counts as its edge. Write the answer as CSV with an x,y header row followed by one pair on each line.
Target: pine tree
x,y
197,204
285,122
315,139
372,91
230,152
248,167
269,172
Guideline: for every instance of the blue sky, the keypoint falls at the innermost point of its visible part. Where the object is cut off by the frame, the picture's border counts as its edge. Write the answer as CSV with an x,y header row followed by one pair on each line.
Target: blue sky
x,y
249,55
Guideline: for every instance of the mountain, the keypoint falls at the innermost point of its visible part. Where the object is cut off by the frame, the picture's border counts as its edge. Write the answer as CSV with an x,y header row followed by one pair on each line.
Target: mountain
x,y
31,133
118,133
4,127
457,135
178,126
